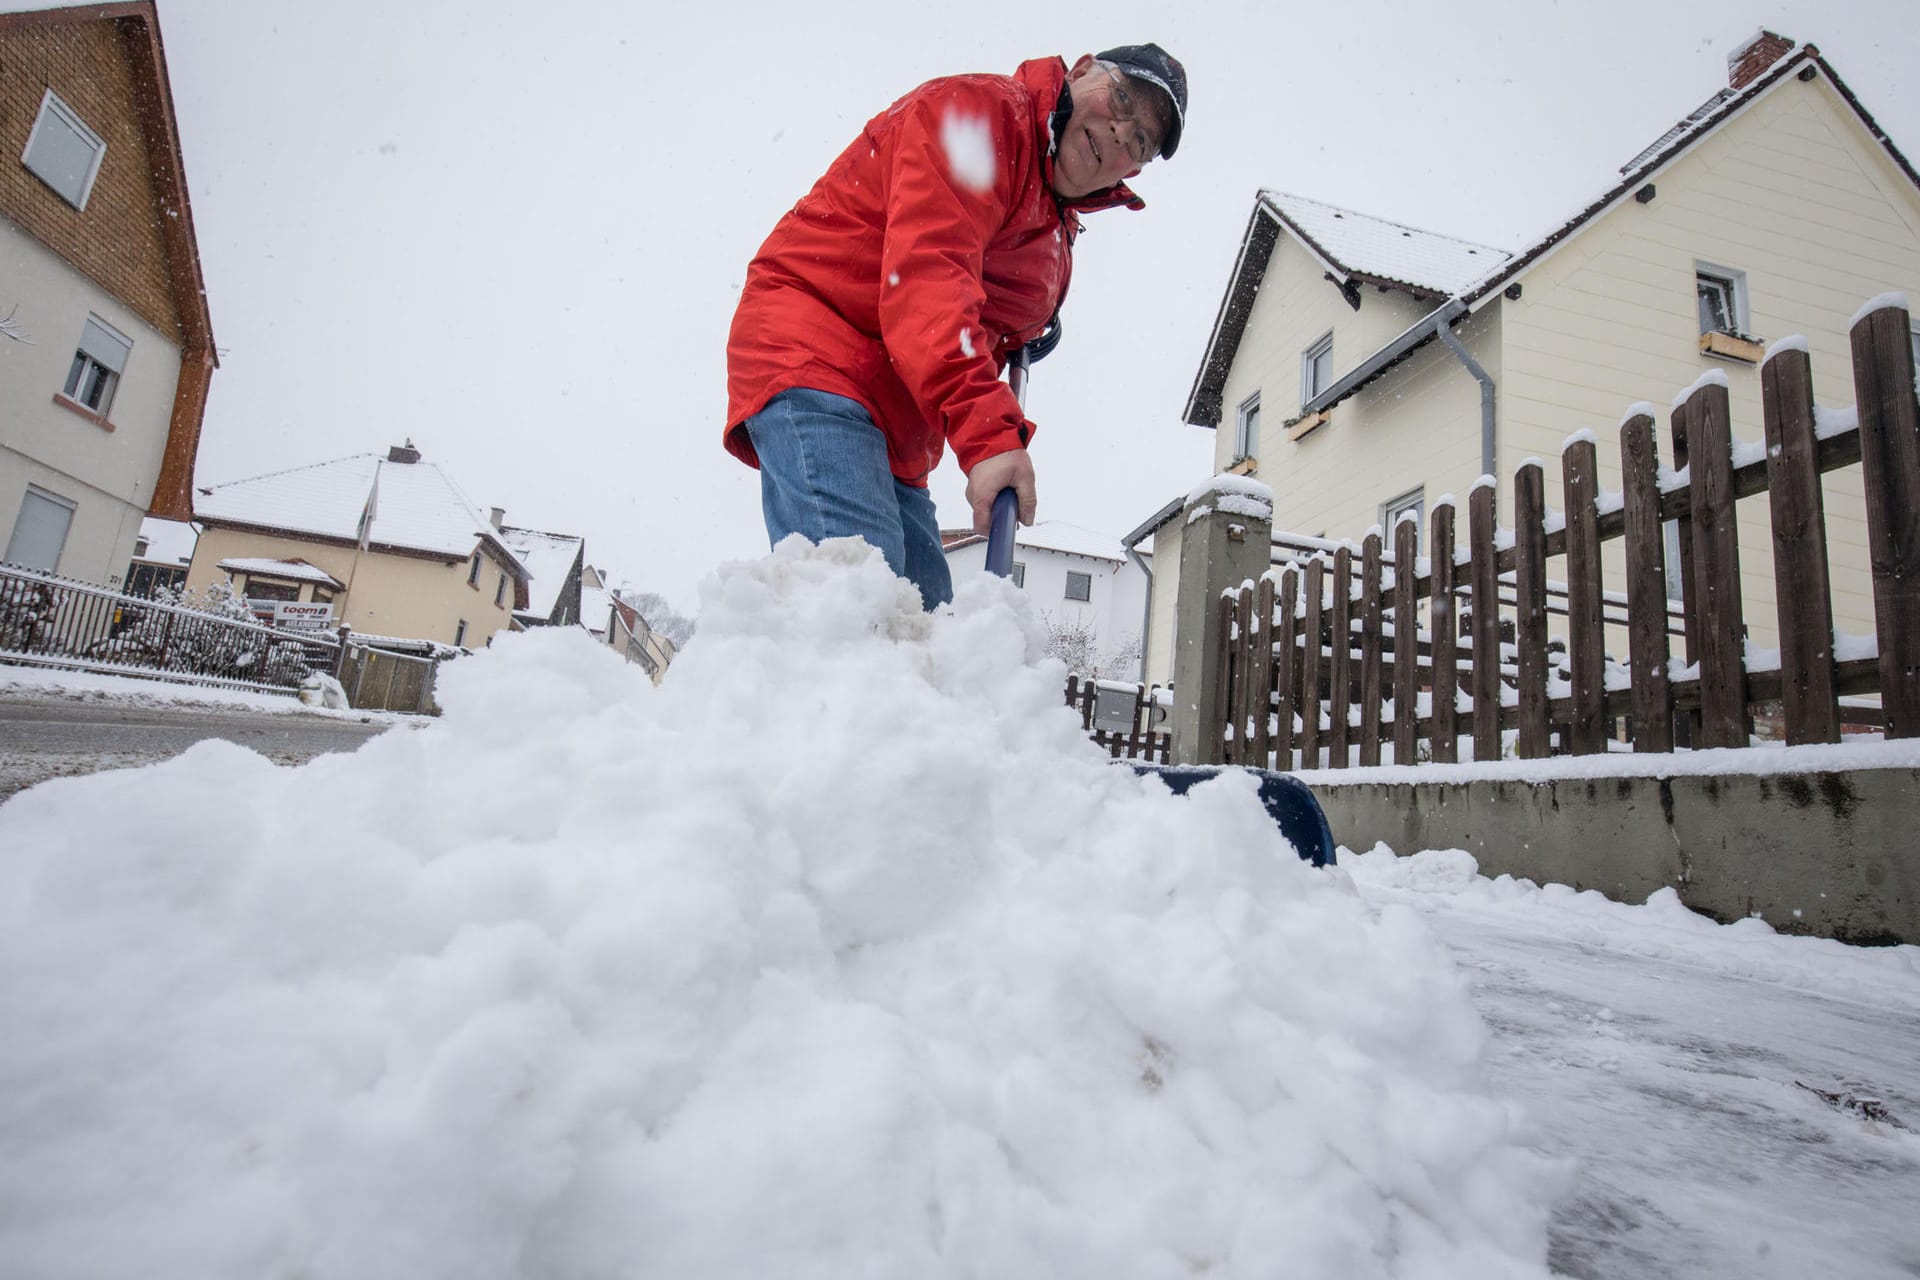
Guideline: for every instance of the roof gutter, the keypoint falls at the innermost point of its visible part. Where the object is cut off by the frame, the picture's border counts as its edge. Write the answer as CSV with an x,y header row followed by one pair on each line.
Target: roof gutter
x,y
1393,353
1437,323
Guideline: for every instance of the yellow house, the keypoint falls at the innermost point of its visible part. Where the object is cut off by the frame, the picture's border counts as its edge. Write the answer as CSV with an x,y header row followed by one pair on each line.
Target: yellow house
x,y
391,546
106,348
1361,368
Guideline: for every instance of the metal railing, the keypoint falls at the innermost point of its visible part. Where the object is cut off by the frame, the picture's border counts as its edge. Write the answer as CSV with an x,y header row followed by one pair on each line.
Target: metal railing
x,y
57,622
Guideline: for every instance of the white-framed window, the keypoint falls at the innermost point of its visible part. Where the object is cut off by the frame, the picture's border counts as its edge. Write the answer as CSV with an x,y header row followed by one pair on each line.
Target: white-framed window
x,y
500,592
1415,501
460,632
1316,369
1722,296
40,530
62,152
98,362
473,571
1246,428
1019,573
1079,585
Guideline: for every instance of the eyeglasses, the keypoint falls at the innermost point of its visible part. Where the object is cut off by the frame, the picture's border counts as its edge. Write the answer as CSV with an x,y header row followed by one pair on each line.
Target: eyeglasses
x,y
1126,104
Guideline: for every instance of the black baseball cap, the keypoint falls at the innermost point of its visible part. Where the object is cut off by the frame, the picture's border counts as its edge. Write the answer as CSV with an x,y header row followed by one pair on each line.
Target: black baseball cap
x,y
1151,63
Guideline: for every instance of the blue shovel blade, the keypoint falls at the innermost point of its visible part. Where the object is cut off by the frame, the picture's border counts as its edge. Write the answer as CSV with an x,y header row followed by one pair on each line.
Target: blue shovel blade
x,y
1288,802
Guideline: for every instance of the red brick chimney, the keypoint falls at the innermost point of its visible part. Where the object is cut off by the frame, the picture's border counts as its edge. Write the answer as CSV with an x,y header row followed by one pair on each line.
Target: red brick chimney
x,y
1751,60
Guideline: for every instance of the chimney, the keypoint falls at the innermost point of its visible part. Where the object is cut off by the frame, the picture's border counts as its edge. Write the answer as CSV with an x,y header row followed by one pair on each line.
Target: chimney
x,y
403,453
499,518
1751,60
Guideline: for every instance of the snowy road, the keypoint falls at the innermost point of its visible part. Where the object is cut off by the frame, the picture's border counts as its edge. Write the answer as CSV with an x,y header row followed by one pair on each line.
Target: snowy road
x,y
58,733
1670,1067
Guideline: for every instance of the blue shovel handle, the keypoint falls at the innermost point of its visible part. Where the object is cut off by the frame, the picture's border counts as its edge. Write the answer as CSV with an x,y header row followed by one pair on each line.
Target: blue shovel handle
x,y
1006,512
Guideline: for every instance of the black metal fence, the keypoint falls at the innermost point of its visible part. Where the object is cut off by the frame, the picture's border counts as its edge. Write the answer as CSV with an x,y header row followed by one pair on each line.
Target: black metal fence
x,y
56,622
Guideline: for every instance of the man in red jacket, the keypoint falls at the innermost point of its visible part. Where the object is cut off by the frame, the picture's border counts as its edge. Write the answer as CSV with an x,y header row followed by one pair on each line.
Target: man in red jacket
x,y
878,317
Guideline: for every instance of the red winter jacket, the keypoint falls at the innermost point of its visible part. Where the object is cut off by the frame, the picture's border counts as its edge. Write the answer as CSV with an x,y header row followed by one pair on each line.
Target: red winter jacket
x,y
905,286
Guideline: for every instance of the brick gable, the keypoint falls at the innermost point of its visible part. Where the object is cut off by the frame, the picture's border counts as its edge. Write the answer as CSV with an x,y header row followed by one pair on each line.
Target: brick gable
x,y
118,240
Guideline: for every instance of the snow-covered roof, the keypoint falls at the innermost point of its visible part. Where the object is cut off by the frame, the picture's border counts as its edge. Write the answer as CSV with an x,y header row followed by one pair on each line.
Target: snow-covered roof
x,y
596,608
1057,535
297,570
169,542
549,557
416,507
1358,244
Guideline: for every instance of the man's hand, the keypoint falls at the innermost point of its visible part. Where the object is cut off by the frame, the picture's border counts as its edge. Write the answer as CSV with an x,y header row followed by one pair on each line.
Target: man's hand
x,y
1012,469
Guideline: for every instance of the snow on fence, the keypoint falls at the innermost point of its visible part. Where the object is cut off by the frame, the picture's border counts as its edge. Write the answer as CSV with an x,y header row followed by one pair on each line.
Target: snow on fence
x,y
50,621
1379,681
1123,719
57,622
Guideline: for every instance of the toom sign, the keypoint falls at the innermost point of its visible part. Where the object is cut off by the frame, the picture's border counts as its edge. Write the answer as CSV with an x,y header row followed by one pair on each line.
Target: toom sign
x,y
302,617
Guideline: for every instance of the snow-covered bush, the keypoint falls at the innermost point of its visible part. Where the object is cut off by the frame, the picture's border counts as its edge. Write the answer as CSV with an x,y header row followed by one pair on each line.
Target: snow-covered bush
x,y
26,614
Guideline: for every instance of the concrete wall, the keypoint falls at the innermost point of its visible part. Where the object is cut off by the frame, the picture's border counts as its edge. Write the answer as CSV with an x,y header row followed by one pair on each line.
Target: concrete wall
x,y
1829,854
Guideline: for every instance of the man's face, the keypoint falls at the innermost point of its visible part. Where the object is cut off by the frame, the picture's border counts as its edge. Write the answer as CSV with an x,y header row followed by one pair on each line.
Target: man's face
x,y
1116,127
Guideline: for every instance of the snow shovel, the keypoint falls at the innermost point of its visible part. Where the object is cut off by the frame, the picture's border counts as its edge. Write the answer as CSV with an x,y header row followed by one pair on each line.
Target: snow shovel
x,y
1288,801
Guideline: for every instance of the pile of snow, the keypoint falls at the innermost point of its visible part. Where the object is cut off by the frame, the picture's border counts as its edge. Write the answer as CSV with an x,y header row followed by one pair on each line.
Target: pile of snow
x,y
841,953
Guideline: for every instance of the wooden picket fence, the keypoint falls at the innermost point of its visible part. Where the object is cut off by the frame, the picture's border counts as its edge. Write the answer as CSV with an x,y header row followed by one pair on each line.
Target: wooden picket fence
x,y
1305,670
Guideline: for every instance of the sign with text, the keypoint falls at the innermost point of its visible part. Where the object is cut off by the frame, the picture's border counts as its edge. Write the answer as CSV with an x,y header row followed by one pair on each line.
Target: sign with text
x,y
293,616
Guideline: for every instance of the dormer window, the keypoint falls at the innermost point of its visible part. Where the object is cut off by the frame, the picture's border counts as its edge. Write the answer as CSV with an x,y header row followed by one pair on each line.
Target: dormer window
x,y
62,152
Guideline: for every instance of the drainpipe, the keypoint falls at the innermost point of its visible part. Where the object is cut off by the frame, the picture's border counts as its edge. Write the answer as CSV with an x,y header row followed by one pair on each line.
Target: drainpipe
x,y
1146,611
1444,332
1127,545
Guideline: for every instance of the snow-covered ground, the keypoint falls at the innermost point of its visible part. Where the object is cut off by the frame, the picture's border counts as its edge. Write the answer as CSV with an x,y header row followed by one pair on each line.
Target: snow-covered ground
x,y
87,686
72,697
843,953
1716,1084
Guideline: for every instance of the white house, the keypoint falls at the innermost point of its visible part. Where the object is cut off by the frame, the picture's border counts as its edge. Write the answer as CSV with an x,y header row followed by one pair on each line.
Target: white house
x,y
1090,591
106,347
1361,368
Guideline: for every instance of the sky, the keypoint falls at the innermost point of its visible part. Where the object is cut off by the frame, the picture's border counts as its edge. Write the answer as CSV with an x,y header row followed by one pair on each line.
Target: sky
x,y
515,235
585,978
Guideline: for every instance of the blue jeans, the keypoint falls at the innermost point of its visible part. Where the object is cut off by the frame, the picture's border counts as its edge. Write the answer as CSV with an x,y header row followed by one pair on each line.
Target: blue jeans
x,y
824,474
